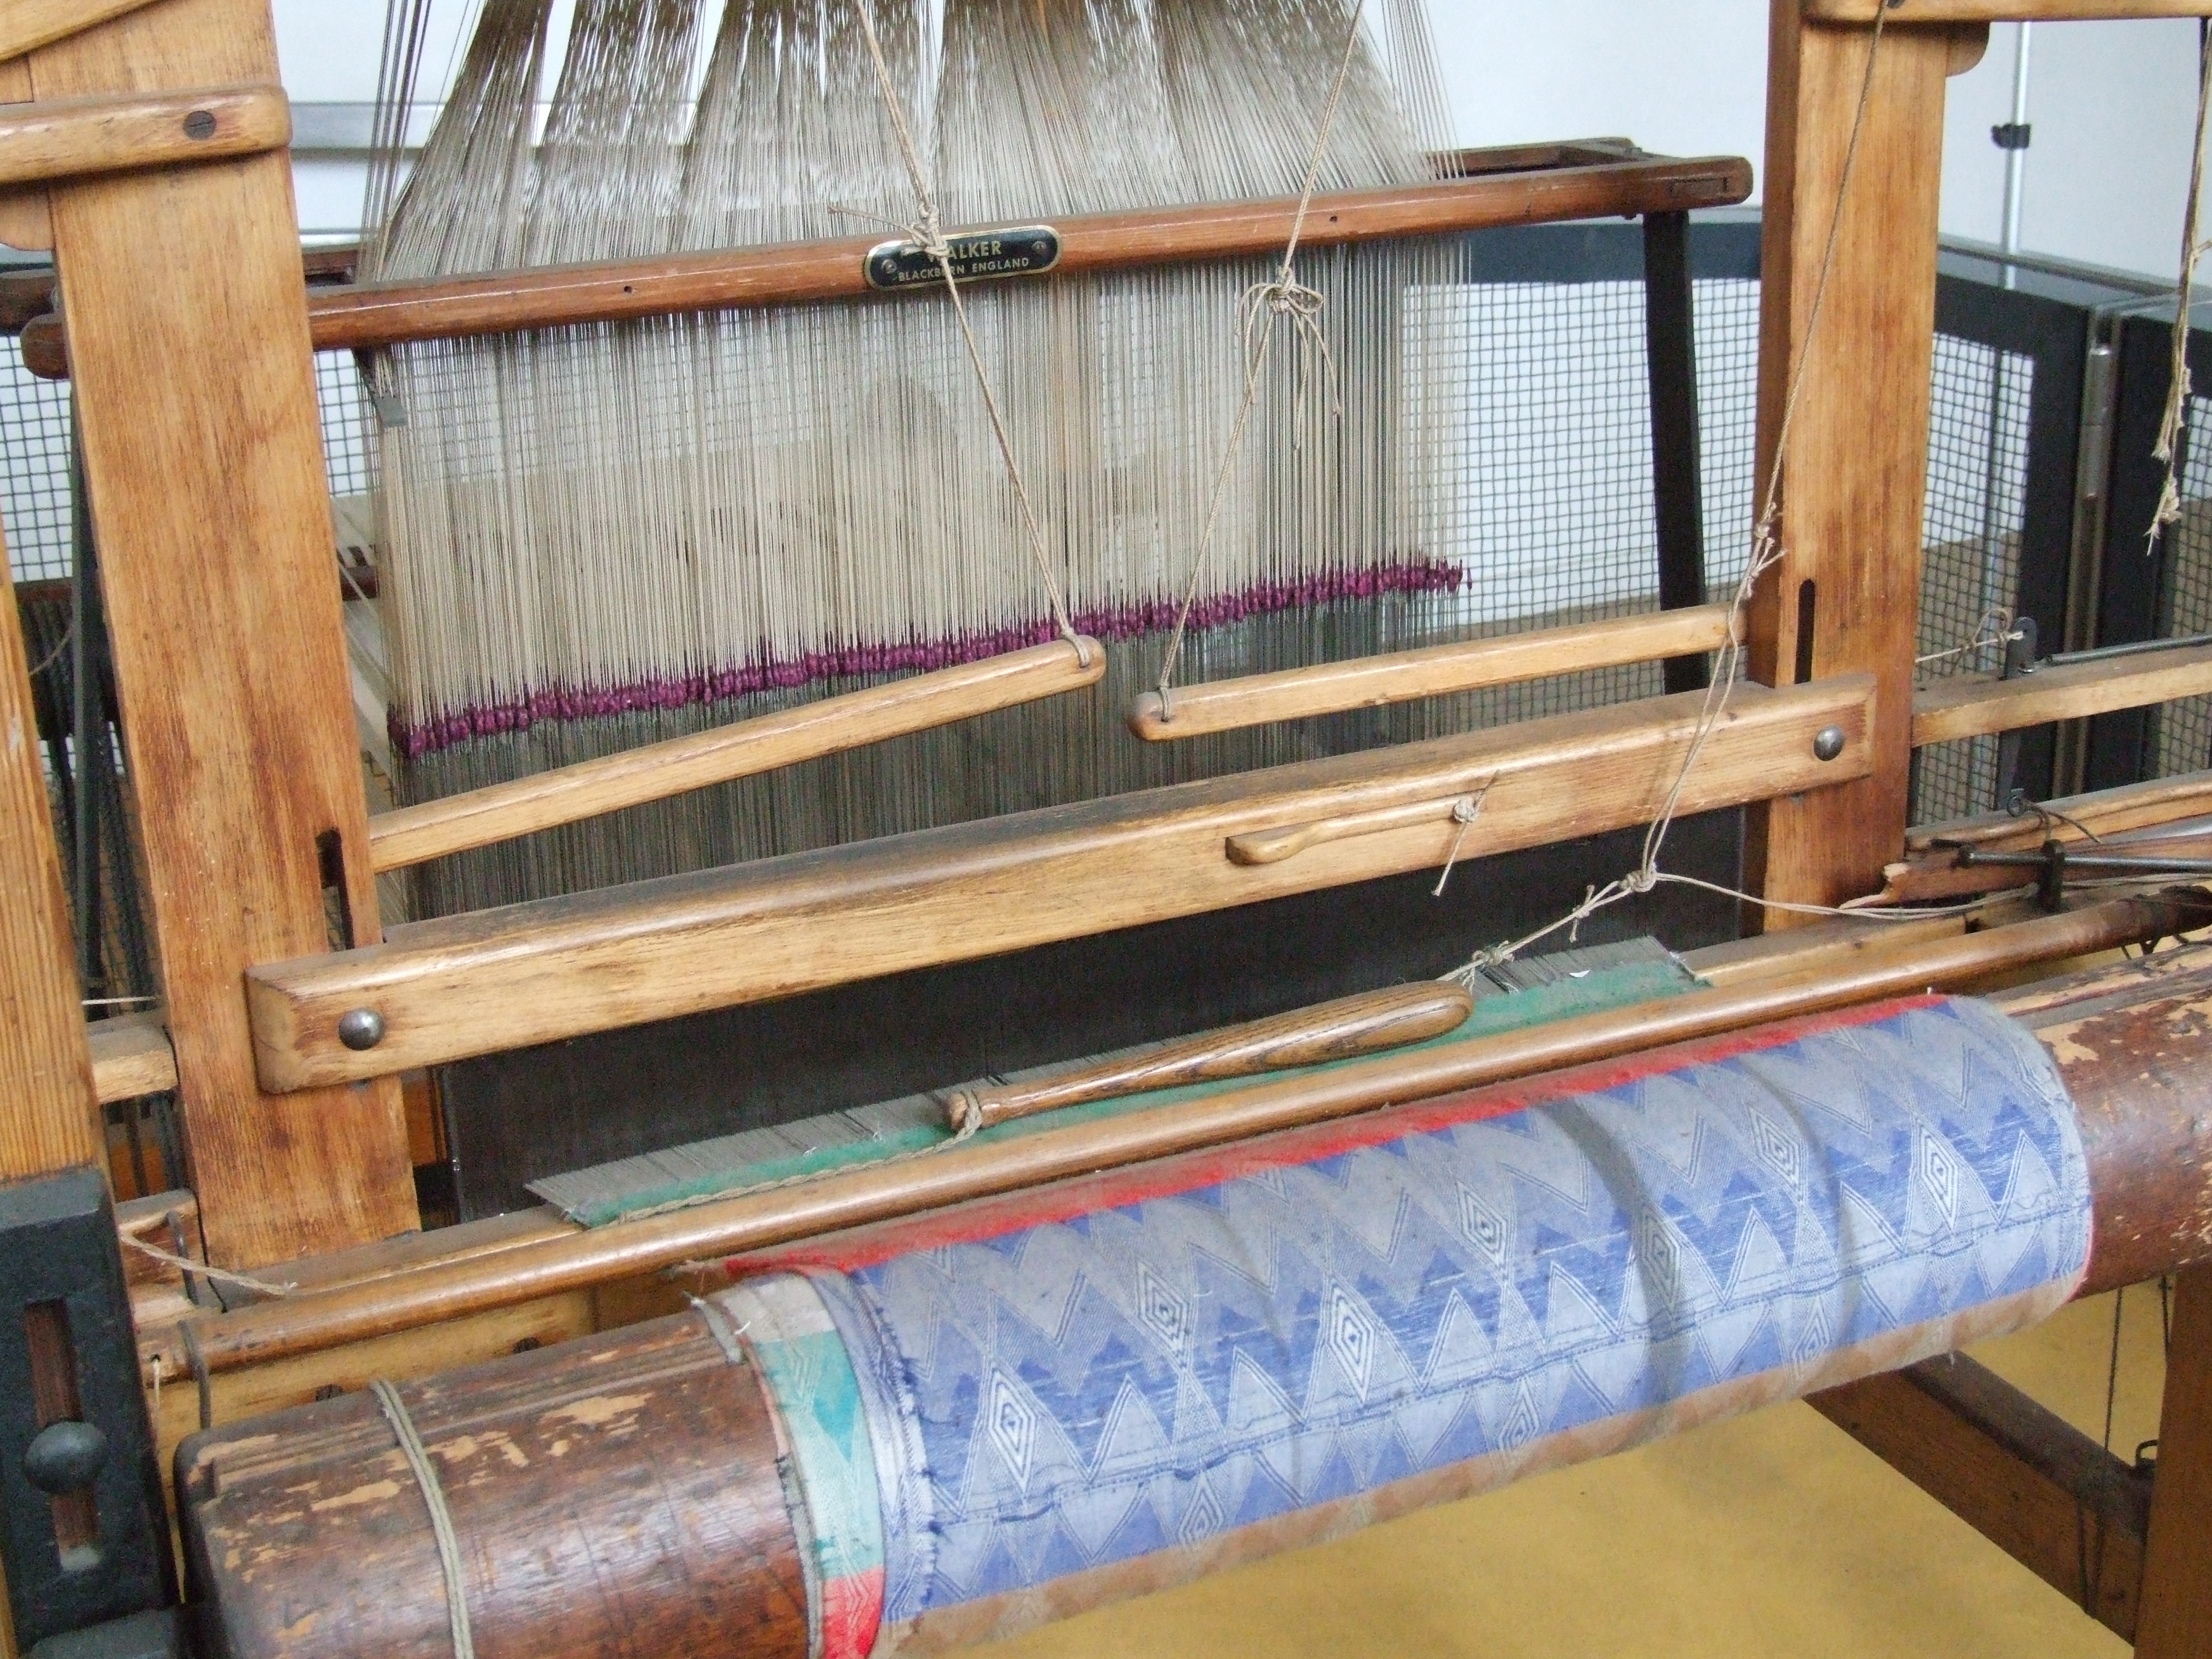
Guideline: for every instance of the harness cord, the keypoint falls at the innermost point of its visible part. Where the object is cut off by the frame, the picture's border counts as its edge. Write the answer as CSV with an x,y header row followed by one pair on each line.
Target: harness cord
x,y
1263,306
927,232
2174,426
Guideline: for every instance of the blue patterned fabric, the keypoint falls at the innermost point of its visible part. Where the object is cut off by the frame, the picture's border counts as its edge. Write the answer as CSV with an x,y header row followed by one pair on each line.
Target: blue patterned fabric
x,y
1326,1312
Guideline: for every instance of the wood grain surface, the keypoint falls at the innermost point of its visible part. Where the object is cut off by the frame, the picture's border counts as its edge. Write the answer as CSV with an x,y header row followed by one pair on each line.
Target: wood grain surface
x,y
203,454
49,1118
1435,671
1854,472
1364,1024
55,138
1976,705
2175,1621
557,967
25,24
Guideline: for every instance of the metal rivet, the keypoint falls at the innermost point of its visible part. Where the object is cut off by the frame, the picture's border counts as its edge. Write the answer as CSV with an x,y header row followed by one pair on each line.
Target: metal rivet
x,y
1827,744
65,1456
361,1028
200,124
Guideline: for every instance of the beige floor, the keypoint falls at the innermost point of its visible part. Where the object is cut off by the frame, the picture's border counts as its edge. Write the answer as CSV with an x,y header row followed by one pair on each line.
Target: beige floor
x,y
1773,1535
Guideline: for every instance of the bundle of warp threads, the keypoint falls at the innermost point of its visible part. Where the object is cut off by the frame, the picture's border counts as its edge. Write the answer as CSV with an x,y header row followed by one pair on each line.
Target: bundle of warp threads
x,y
600,536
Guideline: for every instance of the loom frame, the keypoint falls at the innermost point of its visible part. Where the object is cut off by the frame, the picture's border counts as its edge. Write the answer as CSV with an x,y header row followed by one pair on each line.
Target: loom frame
x,y
198,413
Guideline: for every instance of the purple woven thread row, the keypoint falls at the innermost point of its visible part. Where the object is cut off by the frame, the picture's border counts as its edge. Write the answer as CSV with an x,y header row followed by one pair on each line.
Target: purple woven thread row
x,y
661,692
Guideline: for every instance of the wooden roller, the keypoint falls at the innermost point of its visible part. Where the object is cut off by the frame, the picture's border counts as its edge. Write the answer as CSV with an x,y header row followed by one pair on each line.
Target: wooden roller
x,y
1350,1026
480,817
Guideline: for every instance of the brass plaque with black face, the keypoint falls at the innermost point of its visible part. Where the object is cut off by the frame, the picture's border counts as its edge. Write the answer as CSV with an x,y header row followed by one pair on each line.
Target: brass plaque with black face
x,y
975,255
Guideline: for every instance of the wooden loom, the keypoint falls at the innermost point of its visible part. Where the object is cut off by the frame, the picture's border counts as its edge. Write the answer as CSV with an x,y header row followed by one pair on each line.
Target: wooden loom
x,y
289,1011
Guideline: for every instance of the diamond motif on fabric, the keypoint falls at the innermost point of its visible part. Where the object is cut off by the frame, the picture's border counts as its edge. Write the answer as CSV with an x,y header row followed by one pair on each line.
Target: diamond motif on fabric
x,y
1204,1517
1162,1312
1352,1338
1485,1228
1011,1421
1523,1425
1662,1256
1940,1173
1777,1149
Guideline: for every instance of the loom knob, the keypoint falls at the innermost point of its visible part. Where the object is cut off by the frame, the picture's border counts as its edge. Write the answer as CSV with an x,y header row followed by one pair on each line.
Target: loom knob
x,y
65,1456
1827,744
361,1028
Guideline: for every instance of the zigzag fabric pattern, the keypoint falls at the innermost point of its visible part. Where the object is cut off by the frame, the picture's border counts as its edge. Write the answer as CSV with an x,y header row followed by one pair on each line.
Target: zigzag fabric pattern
x,y
1157,1360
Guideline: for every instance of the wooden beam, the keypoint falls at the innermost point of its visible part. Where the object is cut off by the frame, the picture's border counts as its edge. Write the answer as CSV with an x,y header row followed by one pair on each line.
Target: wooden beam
x,y
1979,705
559,968
1845,596
2176,1617
2104,812
381,314
654,771
1435,671
79,137
27,24
2001,11
49,1120
131,1056
204,456
2023,1477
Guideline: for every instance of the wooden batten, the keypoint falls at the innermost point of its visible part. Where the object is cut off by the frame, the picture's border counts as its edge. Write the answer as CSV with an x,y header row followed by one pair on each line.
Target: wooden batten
x,y
131,1056
1432,671
560,968
28,24
2174,1619
57,139
387,314
1846,597
1976,705
204,457
482,818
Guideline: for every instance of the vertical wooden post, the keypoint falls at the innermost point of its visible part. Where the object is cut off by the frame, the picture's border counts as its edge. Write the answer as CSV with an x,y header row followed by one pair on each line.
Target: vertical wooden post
x,y
2173,1619
1847,595
188,340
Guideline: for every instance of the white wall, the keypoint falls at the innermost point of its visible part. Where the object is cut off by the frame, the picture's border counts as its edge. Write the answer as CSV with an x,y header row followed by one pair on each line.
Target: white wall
x,y
2111,105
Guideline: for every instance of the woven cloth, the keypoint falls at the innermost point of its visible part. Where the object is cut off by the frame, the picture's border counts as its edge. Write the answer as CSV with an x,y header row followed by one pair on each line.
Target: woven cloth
x,y
1117,1383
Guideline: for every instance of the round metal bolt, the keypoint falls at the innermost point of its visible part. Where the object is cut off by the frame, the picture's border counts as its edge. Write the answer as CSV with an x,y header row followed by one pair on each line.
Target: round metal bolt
x,y
361,1028
64,1457
1827,744
200,124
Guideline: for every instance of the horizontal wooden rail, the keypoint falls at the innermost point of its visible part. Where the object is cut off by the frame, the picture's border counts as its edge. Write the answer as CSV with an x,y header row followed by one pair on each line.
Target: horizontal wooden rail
x,y
1536,183
559,968
78,137
2000,11
1435,671
130,1057
1979,705
2022,1476
387,314
552,1264
482,818
2103,812
26,25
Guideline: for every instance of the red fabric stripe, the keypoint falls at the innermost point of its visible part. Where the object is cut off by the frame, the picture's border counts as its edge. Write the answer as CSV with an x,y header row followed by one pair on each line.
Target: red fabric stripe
x,y
1113,1189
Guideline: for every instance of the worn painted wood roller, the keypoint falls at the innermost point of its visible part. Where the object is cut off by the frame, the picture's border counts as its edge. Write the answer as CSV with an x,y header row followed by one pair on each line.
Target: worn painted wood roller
x,y
937,1429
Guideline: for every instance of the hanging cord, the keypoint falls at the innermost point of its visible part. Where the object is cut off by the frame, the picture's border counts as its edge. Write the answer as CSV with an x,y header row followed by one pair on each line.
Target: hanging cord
x,y
1265,304
927,232
1766,552
184,1264
2171,427
441,1518
1993,627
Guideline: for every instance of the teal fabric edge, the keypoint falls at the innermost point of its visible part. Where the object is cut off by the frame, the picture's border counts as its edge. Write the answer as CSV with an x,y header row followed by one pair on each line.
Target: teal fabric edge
x,y
1599,992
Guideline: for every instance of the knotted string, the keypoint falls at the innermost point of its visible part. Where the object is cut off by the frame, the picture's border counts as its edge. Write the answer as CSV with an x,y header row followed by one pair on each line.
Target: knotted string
x,y
2192,249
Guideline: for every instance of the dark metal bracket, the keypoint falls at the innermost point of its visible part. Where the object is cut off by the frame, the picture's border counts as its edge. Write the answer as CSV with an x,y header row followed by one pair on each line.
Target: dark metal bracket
x,y
83,1532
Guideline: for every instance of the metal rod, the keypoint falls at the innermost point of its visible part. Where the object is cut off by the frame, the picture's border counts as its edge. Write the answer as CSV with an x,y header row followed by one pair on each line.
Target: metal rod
x,y
2015,185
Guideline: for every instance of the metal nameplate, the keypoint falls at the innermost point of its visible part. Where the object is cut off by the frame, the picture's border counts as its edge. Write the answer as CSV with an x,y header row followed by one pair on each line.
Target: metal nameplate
x,y
976,256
